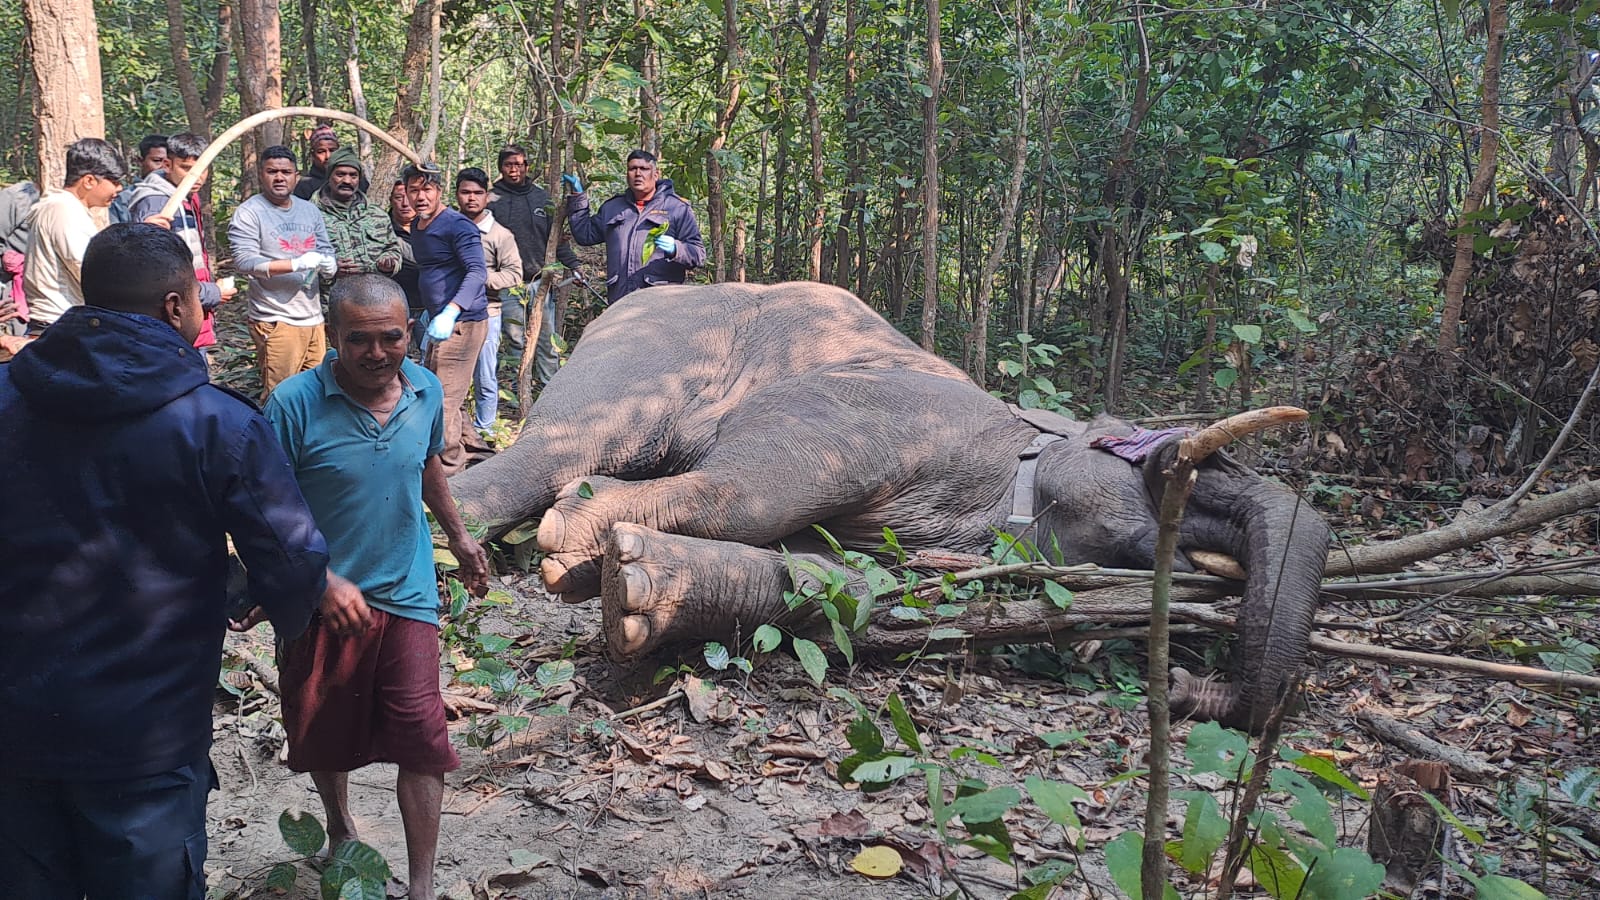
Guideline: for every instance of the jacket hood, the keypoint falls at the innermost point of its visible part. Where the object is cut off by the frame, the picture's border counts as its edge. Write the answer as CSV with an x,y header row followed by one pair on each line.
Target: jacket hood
x,y
98,365
153,185
526,187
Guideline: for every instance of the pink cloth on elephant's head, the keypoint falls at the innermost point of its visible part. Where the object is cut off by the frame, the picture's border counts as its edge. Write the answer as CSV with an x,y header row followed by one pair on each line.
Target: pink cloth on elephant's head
x,y
1136,446
12,261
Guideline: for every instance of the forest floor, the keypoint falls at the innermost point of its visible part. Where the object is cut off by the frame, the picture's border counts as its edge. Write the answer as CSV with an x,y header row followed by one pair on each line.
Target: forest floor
x,y
736,795
621,787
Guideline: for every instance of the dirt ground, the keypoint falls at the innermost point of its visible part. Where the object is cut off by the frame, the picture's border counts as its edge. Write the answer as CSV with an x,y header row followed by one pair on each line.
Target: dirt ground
x,y
657,804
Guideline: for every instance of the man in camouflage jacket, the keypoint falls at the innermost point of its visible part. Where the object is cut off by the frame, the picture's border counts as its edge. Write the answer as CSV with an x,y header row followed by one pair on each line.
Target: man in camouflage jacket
x,y
363,239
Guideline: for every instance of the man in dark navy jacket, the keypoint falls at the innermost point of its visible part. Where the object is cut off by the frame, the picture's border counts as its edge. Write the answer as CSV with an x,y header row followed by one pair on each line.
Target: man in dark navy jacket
x,y
650,233
130,470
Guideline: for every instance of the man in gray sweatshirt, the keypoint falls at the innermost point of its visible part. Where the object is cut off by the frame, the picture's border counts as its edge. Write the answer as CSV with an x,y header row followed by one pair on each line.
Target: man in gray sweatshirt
x,y
280,244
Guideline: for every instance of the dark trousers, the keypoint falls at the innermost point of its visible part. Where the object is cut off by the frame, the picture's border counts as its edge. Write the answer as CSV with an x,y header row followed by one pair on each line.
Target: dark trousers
x,y
139,838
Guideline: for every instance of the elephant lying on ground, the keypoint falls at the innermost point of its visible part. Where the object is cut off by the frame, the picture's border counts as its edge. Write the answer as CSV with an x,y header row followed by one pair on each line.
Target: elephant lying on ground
x,y
712,424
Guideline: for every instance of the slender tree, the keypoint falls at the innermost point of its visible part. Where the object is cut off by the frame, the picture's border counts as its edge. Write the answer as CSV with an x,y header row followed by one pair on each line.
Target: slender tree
x,y
930,181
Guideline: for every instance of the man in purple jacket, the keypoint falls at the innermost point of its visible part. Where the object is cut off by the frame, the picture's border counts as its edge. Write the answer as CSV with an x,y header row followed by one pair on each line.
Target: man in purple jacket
x,y
130,471
650,233
451,277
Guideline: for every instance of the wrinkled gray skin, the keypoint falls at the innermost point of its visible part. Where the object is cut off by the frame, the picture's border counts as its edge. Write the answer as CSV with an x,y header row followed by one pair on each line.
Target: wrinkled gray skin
x,y
723,421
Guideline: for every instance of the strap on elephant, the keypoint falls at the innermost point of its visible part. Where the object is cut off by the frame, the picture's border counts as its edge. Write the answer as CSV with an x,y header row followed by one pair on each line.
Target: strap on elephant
x,y
1022,486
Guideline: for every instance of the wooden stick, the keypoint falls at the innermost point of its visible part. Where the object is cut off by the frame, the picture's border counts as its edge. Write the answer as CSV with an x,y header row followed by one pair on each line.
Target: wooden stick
x,y
260,118
1468,765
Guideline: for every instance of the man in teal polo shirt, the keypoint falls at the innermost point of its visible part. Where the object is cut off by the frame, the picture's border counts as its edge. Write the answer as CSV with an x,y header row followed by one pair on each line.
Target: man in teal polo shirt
x,y
363,431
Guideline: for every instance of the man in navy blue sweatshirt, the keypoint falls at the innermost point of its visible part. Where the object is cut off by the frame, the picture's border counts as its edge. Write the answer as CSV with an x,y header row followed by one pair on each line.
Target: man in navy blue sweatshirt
x,y
130,472
451,276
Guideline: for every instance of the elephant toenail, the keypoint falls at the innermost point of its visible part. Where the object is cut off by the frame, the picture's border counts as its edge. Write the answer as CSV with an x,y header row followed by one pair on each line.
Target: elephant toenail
x,y
630,546
636,593
552,530
635,632
554,574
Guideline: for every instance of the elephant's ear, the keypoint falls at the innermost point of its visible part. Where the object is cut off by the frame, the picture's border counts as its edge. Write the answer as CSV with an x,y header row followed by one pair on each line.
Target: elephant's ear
x,y
1050,422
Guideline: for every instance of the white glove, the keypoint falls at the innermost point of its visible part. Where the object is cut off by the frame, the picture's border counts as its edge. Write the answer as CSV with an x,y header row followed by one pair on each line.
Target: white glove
x,y
311,259
329,267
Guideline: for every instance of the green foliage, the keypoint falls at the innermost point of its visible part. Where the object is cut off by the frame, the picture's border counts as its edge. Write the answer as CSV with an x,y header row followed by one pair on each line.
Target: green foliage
x,y
354,871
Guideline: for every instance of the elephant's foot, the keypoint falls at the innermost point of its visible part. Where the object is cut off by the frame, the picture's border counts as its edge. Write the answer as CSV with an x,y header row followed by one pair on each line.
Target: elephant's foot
x,y
659,589
572,533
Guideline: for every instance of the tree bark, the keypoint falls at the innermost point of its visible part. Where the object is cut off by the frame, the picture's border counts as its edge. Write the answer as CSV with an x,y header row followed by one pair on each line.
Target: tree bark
x,y
217,80
815,36
845,265
1455,287
261,69
358,94
733,97
64,46
430,140
649,95
194,109
308,48
930,182
408,93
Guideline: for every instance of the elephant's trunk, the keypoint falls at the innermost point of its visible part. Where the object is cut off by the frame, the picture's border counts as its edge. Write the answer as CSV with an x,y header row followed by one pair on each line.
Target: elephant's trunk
x,y
1283,545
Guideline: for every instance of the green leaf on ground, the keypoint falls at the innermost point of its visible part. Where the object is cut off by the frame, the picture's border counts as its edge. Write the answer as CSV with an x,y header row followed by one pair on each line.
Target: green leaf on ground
x,y
1055,799
812,659
302,832
903,725
767,638
986,806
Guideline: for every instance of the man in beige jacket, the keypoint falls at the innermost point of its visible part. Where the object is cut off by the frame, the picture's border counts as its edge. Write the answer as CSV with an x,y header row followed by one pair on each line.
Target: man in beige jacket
x,y
504,263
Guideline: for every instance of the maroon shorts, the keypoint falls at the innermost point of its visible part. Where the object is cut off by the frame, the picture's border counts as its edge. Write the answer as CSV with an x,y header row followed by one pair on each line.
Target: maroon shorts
x,y
372,697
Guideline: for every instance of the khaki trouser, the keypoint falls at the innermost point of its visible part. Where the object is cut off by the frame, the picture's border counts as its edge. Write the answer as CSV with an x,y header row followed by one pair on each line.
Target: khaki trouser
x,y
453,361
283,350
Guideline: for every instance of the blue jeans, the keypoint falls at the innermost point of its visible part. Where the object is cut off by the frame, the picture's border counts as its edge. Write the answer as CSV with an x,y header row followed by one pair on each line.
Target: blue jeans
x,y
486,380
105,840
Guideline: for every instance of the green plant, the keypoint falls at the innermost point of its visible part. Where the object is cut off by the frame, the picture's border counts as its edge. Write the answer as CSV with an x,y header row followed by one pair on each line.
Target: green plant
x,y
355,871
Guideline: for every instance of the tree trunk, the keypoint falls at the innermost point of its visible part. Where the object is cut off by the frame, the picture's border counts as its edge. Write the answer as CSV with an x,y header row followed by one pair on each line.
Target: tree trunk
x,y
1455,287
930,182
261,69
761,209
1112,241
408,93
845,265
650,73
64,45
815,36
358,95
979,336
308,45
430,140
738,250
217,81
716,199
194,108
780,195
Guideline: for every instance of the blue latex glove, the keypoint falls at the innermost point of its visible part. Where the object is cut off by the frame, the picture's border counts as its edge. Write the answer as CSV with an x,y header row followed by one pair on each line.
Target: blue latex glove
x,y
573,183
444,324
667,244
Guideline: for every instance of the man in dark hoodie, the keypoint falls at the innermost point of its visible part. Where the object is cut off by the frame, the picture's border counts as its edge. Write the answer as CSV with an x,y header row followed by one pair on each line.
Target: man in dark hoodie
x,y
524,209
132,470
650,233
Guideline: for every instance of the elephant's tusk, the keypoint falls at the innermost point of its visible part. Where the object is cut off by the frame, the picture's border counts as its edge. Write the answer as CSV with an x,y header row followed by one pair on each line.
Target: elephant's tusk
x,y
261,118
1220,564
1218,435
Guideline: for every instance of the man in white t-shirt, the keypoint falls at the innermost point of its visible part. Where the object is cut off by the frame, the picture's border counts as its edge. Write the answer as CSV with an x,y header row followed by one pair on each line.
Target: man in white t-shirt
x,y
61,227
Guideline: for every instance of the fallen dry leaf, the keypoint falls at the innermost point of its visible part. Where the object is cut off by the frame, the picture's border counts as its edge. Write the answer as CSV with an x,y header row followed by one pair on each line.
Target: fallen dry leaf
x,y
877,862
794,751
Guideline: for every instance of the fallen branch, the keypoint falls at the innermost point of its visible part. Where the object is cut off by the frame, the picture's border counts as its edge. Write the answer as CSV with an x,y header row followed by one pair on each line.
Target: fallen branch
x,y
1464,764
1390,556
